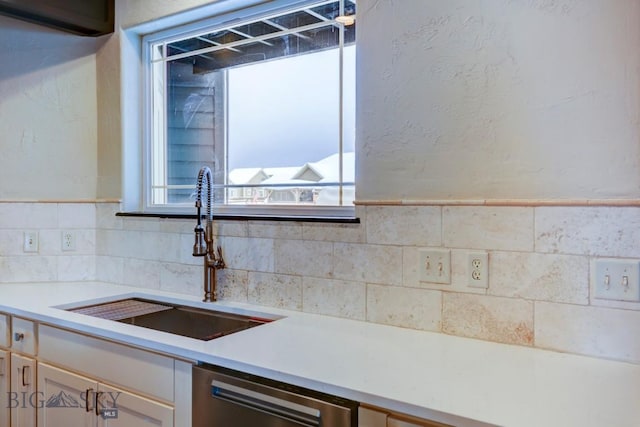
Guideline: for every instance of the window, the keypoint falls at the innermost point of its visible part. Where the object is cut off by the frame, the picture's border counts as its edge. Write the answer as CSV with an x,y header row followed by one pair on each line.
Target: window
x,y
267,102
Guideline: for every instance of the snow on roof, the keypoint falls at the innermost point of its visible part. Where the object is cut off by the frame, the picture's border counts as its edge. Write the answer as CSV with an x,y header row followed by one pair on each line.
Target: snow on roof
x,y
241,176
327,170
283,175
329,167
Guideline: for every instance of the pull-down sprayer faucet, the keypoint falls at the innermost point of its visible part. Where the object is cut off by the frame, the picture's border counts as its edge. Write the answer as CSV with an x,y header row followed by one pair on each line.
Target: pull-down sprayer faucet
x,y
203,245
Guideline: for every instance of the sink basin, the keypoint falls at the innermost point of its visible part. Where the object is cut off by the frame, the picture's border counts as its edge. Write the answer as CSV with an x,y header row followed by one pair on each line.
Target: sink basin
x,y
172,318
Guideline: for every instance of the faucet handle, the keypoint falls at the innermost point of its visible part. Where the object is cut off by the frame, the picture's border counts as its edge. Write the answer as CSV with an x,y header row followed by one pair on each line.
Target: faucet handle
x,y
200,245
220,264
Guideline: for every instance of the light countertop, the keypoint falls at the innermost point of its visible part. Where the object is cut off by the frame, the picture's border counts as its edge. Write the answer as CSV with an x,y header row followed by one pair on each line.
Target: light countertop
x,y
456,380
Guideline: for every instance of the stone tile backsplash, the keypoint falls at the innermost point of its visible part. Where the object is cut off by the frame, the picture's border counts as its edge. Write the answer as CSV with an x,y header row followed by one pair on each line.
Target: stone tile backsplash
x,y
539,291
50,263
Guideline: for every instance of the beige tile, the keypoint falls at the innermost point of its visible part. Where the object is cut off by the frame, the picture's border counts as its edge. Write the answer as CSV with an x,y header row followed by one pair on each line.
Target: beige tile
x,y
141,224
505,320
28,269
497,228
545,277
106,216
250,254
404,225
275,230
76,268
109,242
368,263
601,231
459,283
233,285
141,273
158,246
28,215
230,228
347,233
181,278
304,258
76,215
404,307
110,269
594,331
173,225
275,290
11,242
334,297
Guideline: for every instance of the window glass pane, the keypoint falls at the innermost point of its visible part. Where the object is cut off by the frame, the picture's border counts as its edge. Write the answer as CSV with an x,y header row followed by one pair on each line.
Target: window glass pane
x,y
191,127
293,106
268,105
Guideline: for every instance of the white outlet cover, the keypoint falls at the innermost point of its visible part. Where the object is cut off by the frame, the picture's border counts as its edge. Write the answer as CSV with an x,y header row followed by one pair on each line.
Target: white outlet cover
x,y
434,265
478,263
616,270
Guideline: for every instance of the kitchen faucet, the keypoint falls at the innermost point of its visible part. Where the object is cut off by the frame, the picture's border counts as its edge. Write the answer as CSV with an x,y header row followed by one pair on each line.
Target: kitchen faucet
x,y
203,245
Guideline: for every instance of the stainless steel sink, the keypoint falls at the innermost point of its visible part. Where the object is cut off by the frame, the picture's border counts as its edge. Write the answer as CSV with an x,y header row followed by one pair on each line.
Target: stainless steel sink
x,y
172,318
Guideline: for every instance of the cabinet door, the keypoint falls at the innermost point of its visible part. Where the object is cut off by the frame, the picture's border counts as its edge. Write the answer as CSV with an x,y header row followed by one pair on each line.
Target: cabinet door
x,y
68,399
368,417
5,369
396,422
23,387
132,410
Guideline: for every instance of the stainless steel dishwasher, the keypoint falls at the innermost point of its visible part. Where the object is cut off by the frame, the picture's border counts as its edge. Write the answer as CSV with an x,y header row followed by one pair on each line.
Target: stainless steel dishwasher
x,y
226,398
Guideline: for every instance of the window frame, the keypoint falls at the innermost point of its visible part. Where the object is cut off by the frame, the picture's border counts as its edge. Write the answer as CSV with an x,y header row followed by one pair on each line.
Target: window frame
x,y
220,20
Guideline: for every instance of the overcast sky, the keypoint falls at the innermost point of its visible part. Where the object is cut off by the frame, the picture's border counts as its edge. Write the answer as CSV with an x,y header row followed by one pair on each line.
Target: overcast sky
x,y
285,112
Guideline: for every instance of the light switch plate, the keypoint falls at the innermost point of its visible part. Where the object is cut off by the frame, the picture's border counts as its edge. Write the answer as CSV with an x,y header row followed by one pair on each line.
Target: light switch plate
x,y
434,265
617,279
30,241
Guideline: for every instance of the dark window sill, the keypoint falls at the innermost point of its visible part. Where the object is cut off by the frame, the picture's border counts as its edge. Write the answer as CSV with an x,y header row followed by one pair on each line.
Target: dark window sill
x,y
245,217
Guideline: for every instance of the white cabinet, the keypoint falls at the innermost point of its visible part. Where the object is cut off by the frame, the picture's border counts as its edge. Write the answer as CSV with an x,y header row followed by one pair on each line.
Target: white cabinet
x,y
374,417
24,399
4,330
5,369
68,398
149,389
368,417
25,336
133,410
76,400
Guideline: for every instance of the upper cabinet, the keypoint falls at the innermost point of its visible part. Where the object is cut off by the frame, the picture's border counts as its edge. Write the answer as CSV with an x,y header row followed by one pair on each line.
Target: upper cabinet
x,y
83,17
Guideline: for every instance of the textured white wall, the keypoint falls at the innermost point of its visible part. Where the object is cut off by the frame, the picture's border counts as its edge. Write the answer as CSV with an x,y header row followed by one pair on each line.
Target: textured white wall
x,y
48,114
475,99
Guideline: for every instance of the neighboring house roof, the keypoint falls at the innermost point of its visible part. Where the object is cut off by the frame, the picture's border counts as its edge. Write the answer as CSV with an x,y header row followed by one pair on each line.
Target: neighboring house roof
x,y
241,176
324,170
329,167
282,175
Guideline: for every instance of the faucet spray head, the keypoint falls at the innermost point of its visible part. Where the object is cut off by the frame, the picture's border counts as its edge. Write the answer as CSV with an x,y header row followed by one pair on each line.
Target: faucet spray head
x,y
200,244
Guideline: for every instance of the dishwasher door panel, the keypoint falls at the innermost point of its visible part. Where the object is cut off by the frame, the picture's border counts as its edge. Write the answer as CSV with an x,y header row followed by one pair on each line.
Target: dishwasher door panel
x,y
224,400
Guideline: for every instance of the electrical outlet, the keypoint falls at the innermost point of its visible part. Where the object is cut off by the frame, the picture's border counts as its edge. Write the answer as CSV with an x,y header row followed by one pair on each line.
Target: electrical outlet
x,y
68,240
617,279
30,241
434,265
478,270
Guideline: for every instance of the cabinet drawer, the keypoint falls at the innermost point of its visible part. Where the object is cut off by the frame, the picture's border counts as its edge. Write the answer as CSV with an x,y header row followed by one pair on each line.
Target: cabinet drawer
x,y
4,330
24,336
138,370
